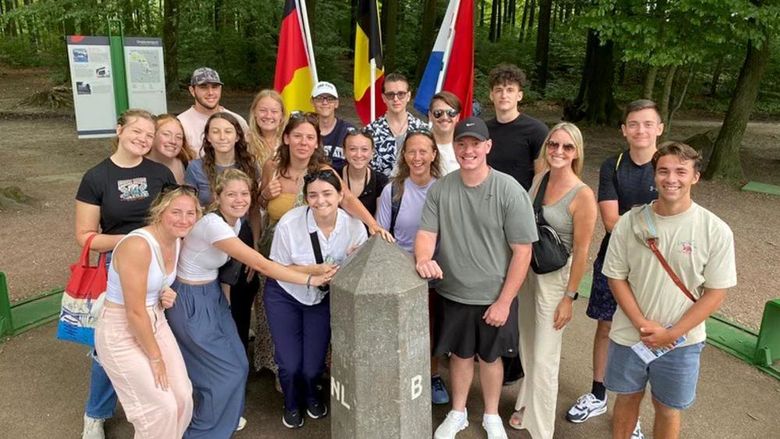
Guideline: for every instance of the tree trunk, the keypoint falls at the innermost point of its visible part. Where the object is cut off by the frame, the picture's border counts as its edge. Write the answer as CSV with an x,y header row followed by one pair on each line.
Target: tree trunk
x,y
725,162
427,36
649,85
595,102
170,36
678,103
311,14
481,13
542,57
492,32
390,33
667,92
716,77
523,24
531,16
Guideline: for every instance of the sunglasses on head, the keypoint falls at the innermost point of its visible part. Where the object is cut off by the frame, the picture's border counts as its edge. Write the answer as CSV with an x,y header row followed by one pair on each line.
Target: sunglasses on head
x,y
305,115
325,174
438,114
391,95
170,187
365,131
553,145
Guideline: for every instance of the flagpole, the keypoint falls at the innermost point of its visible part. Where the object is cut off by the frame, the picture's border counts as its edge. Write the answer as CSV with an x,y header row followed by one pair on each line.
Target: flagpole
x,y
373,89
303,18
450,41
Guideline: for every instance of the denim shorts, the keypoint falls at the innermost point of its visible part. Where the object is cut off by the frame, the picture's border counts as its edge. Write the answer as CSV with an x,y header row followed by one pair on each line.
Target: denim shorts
x,y
672,377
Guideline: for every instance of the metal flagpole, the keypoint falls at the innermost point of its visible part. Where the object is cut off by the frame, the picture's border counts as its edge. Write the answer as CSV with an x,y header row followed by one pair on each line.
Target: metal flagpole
x,y
373,89
304,21
450,41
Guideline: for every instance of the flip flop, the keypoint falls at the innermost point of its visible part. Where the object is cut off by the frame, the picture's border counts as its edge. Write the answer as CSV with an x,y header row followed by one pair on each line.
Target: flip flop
x,y
516,420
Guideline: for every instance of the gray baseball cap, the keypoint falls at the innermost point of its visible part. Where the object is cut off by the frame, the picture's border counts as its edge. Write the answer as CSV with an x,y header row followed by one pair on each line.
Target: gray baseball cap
x,y
205,75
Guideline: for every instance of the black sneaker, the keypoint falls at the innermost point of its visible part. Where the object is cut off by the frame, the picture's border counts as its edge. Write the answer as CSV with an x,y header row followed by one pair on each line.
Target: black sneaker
x,y
292,419
317,410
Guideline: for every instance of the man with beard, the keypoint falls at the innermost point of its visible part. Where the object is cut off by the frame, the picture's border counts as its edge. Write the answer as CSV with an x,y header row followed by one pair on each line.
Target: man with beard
x,y
206,88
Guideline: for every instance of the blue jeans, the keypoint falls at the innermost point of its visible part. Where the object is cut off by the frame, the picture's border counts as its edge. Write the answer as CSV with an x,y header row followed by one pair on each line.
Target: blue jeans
x,y
101,401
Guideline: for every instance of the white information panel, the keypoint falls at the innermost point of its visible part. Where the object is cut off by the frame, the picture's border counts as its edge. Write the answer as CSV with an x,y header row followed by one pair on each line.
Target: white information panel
x,y
145,73
93,87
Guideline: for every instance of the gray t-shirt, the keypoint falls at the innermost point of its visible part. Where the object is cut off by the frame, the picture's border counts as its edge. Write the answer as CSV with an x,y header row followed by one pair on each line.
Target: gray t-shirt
x,y
476,225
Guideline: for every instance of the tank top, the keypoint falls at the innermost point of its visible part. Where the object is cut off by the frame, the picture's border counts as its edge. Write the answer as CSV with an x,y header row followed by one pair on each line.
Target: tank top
x,y
278,206
558,216
156,279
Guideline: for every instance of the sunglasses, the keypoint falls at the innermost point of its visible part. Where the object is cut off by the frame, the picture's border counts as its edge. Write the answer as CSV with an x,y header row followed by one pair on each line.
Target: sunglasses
x,y
568,147
170,187
305,115
422,131
438,114
325,174
365,131
391,95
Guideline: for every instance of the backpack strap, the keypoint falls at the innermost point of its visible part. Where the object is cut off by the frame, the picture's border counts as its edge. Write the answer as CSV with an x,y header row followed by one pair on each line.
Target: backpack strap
x,y
615,174
395,206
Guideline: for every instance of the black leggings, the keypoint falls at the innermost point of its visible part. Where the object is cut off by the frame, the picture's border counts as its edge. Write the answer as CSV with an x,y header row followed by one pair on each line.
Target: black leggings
x,y
243,293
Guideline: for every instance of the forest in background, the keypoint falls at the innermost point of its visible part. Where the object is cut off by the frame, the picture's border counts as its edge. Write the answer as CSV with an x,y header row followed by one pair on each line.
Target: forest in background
x,y
588,56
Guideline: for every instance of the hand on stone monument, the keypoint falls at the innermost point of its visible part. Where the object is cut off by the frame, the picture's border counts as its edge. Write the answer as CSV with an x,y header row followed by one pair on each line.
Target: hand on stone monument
x,y
324,268
384,234
429,270
322,279
496,314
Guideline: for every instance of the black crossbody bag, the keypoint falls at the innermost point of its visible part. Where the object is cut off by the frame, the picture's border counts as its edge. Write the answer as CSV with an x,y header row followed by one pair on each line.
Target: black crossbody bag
x,y
549,252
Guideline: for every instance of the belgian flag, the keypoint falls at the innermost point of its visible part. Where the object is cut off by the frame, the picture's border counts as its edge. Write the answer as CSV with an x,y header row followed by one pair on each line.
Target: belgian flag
x,y
295,74
368,52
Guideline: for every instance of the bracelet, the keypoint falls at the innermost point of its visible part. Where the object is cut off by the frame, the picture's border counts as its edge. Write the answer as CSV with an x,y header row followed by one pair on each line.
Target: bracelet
x,y
308,282
155,360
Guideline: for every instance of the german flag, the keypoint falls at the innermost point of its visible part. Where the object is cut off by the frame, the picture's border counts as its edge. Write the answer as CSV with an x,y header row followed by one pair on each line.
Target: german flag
x,y
368,48
294,76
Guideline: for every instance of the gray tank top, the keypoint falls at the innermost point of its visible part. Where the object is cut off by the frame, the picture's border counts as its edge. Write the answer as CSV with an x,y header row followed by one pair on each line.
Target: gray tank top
x,y
557,214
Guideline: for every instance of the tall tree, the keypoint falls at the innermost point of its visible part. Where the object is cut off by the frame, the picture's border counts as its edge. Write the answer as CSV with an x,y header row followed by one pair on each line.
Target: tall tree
x,y
427,35
725,162
170,34
390,33
595,102
541,60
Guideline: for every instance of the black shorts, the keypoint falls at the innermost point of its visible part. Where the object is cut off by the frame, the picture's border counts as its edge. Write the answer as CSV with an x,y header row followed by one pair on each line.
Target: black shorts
x,y
463,332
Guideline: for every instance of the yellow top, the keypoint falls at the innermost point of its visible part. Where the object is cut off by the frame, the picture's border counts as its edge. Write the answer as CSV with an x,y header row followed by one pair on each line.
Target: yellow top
x,y
280,205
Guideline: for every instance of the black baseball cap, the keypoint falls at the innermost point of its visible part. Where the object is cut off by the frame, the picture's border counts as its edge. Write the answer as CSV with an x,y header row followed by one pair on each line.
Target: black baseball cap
x,y
472,127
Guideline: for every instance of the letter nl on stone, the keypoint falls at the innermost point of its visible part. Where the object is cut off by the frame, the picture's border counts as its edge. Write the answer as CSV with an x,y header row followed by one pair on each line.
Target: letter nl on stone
x,y
380,385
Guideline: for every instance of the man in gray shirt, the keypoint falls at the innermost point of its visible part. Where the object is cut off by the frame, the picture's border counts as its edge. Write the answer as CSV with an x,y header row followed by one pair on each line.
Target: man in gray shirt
x,y
486,224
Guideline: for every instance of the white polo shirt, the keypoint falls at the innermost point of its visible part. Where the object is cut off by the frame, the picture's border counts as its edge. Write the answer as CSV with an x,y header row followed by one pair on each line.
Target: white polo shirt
x,y
292,246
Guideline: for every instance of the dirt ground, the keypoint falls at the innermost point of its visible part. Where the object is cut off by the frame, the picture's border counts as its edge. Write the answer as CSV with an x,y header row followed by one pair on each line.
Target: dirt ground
x,y
40,154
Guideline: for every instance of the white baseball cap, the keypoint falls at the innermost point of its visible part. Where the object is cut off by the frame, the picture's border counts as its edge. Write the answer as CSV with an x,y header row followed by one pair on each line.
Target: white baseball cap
x,y
324,88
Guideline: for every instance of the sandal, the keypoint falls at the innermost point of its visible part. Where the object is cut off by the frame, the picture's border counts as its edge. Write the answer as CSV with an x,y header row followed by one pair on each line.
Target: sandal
x,y
516,420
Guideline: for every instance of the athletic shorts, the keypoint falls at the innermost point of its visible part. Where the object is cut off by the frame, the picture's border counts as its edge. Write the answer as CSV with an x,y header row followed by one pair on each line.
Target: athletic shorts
x,y
601,304
463,332
673,376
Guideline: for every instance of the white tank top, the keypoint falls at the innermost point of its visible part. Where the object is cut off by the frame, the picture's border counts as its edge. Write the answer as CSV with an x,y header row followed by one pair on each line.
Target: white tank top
x,y
156,280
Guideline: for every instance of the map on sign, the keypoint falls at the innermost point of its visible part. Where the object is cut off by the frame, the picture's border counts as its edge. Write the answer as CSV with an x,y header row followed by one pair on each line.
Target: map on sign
x,y
145,68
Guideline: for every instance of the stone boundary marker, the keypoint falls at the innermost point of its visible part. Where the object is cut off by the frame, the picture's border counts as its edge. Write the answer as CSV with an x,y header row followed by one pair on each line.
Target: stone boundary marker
x,y
380,373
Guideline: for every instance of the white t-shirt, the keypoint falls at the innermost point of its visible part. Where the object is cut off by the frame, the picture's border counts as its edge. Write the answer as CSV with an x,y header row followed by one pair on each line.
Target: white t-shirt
x,y
194,122
698,246
447,159
200,260
292,246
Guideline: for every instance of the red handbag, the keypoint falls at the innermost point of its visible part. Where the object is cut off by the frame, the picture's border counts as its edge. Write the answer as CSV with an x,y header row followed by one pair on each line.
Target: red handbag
x,y
83,299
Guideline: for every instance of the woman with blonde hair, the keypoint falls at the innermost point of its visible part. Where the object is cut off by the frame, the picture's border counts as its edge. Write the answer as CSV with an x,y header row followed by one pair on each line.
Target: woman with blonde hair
x,y
113,199
135,344
266,123
170,146
545,300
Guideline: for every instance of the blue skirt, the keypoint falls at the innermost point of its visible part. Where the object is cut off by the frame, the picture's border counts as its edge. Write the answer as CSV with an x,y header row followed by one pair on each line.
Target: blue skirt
x,y
215,358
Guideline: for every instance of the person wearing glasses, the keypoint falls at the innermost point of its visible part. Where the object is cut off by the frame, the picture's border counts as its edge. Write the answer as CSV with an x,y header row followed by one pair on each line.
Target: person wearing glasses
x,y
169,146
333,130
311,239
201,319
444,114
390,129
546,300
281,190
400,209
112,200
357,174
517,137
266,122
135,344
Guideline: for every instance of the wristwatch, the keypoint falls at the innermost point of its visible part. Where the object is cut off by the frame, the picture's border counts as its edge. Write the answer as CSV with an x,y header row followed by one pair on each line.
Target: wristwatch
x,y
573,295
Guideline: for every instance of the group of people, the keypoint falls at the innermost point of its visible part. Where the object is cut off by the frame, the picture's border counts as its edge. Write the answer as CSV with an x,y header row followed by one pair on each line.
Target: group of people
x,y
204,217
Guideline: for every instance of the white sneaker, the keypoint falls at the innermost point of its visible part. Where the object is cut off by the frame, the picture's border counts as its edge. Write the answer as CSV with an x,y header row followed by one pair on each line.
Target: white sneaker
x,y
494,427
637,433
241,424
586,407
93,428
452,424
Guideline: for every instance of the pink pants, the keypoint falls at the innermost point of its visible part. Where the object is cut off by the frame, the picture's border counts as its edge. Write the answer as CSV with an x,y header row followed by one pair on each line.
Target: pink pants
x,y
154,413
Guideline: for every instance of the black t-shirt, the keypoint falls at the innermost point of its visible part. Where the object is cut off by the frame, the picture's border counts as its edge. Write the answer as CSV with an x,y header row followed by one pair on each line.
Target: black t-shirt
x,y
123,194
332,144
516,145
372,191
633,184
